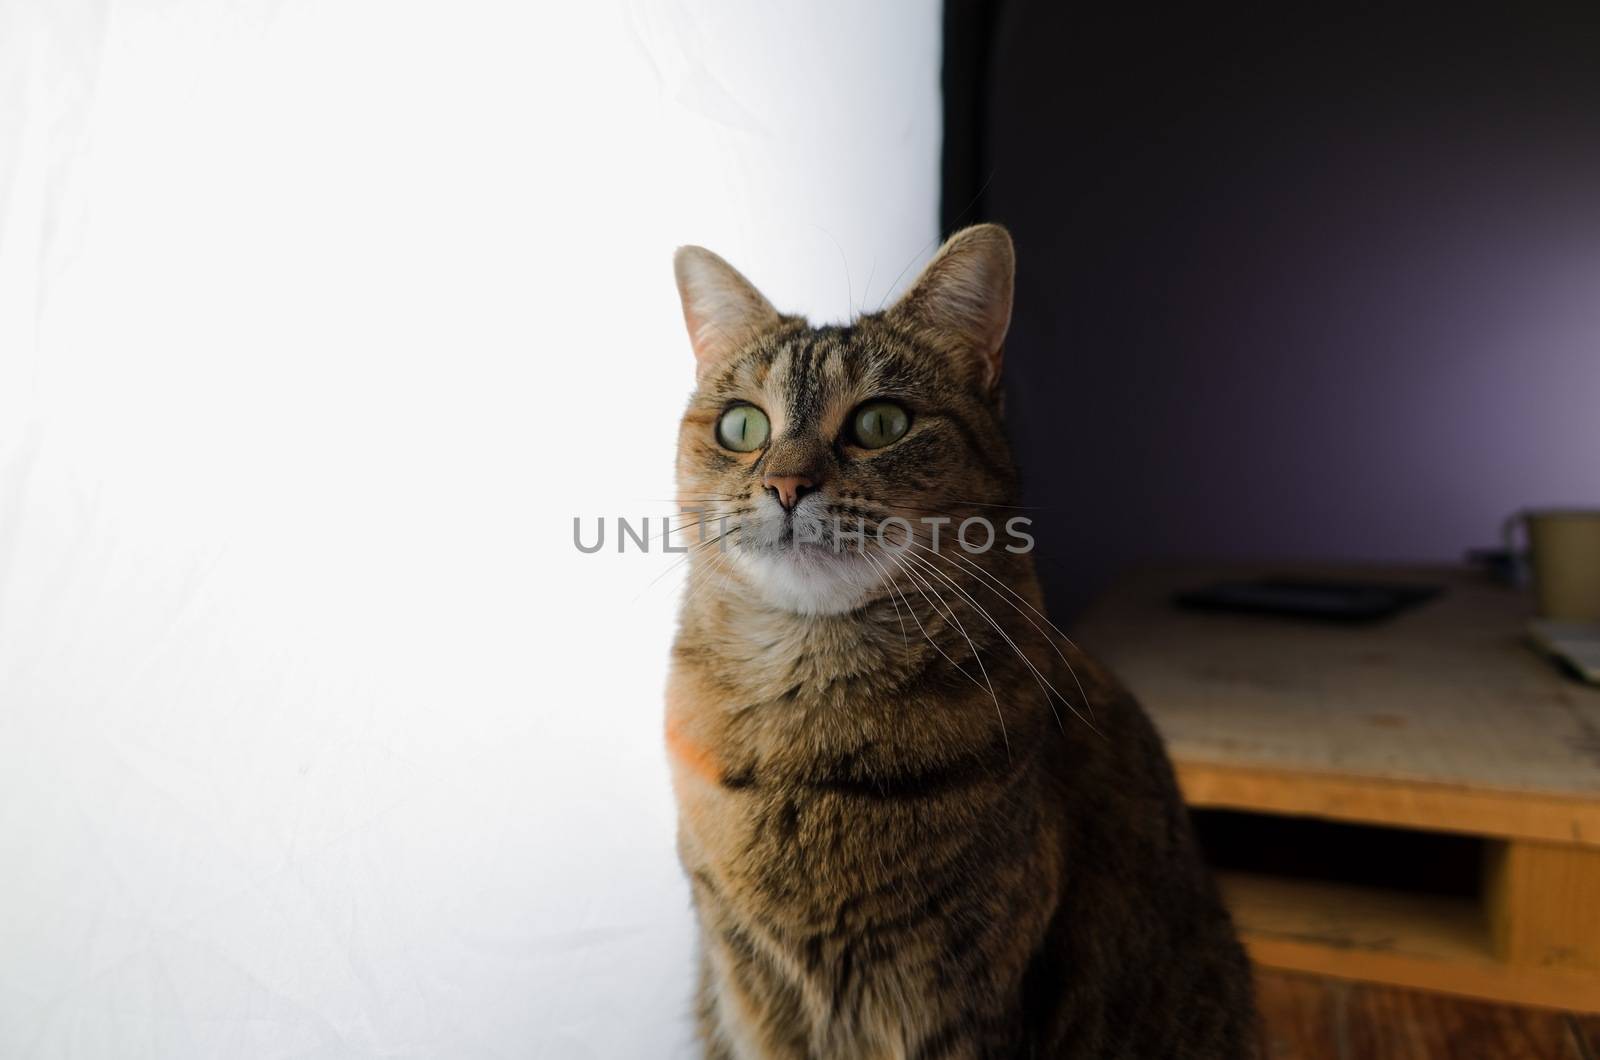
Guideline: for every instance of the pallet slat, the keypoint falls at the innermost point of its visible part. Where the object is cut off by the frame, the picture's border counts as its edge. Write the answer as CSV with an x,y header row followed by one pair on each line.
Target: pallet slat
x,y
1395,803
1373,935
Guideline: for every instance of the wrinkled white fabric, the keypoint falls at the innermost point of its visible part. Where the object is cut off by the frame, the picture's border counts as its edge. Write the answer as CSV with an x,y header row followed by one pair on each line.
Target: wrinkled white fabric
x,y
320,321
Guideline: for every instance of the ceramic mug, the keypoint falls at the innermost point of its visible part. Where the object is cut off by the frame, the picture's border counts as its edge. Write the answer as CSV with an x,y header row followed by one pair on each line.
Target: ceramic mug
x,y
1565,544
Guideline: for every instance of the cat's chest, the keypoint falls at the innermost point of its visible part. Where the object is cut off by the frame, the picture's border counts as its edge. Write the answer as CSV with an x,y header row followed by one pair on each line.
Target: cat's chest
x,y
854,1005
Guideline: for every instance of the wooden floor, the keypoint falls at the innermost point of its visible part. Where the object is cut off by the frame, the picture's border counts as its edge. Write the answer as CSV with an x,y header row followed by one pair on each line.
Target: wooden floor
x,y
1309,1018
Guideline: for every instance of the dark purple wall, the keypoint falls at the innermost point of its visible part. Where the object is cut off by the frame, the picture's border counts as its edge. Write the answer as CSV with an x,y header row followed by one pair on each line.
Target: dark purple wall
x,y
1296,290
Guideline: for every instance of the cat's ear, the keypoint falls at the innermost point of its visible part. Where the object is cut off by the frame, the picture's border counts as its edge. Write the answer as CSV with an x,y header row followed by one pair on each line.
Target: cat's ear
x,y
721,308
961,304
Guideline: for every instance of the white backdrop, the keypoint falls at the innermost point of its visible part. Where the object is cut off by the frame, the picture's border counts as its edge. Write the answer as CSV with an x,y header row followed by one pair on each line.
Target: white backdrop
x,y
319,322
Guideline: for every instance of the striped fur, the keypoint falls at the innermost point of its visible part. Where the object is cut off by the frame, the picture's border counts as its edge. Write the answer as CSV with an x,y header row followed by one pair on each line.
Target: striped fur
x,y
909,832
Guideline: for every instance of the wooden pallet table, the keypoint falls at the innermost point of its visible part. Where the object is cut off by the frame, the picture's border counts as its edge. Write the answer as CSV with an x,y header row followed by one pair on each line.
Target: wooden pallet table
x,y
1439,722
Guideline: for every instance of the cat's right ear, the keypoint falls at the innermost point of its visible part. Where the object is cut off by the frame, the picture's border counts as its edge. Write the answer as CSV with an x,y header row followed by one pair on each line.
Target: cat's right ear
x,y
722,310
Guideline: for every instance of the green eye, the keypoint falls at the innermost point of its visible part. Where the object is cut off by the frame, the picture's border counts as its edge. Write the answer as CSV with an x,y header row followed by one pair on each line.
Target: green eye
x,y
877,423
743,429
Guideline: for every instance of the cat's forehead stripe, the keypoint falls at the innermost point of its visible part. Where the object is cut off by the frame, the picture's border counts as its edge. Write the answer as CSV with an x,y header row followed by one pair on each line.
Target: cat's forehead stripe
x,y
804,371
819,368
791,377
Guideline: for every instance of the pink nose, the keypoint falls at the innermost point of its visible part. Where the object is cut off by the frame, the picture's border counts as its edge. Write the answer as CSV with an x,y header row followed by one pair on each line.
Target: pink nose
x,y
788,489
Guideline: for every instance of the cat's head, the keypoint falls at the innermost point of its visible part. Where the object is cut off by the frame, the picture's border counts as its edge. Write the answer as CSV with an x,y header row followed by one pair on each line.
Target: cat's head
x,y
795,433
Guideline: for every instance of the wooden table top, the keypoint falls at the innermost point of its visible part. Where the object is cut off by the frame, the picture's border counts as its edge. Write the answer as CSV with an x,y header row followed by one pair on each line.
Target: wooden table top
x,y
1444,697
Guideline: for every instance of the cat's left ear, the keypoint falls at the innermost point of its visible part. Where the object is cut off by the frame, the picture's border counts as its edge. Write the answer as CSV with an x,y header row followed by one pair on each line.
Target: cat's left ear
x,y
961,304
722,310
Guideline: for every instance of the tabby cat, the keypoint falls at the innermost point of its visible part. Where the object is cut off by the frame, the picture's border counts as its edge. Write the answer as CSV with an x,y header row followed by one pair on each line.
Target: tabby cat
x,y
917,821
